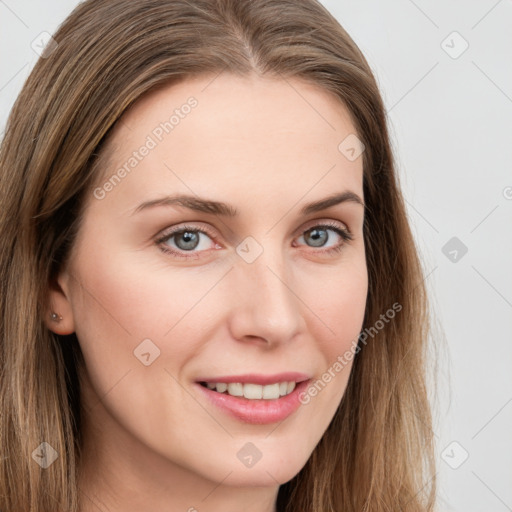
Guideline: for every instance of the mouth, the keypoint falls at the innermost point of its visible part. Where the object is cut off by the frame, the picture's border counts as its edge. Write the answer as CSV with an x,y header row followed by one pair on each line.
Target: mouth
x,y
255,398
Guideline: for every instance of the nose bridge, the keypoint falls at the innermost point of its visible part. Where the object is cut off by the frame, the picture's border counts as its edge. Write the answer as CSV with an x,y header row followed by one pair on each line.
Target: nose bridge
x,y
265,305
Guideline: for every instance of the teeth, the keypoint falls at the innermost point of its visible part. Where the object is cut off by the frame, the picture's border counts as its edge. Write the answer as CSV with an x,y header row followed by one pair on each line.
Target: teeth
x,y
221,387
271,391
253,391
235,389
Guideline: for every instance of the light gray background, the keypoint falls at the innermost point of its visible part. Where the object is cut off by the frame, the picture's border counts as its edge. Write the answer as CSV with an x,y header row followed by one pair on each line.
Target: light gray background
x,y
451,123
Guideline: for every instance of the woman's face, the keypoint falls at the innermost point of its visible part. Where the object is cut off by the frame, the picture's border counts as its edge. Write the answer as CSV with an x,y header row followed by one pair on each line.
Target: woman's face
x,y
256,292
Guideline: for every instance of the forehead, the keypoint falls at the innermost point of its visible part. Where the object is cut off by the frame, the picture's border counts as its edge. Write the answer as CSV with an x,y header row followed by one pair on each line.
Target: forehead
x,y
230,133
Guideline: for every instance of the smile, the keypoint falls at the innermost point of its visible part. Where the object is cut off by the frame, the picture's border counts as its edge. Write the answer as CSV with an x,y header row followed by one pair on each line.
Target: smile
x,y
253,398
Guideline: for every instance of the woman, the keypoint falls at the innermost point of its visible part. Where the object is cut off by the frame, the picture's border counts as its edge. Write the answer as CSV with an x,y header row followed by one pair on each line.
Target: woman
x,y
211,296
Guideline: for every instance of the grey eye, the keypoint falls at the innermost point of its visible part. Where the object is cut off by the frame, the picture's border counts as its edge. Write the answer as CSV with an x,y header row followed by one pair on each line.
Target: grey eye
x,y
186,240
317,236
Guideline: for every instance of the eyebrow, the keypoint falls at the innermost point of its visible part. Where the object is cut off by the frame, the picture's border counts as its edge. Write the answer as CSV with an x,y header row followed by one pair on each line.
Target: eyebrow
x,y
223,209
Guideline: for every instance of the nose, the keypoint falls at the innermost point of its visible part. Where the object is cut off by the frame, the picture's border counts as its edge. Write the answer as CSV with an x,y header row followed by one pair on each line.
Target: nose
x,y
264,307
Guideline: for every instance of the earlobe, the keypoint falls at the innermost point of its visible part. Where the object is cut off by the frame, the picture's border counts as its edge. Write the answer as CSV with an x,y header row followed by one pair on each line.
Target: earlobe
x,y
59,315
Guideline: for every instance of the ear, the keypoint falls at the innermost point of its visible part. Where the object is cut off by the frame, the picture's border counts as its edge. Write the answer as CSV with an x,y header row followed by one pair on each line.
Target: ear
x,y
60,304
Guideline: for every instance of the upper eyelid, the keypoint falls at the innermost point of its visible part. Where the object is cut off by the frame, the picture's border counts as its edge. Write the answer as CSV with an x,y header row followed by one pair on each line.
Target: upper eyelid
x,y
168,232
324,222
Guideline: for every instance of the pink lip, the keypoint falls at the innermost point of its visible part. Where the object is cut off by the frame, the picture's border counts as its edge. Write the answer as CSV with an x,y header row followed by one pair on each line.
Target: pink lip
x,y
258,378
262,411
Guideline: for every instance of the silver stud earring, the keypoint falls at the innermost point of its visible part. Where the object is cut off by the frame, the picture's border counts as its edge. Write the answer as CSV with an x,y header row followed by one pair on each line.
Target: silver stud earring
x,y
55,317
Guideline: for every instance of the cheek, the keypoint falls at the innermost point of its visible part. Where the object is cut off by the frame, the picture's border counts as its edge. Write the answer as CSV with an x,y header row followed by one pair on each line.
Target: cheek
x,y
337,298
338,301
129,313
124,300
133,297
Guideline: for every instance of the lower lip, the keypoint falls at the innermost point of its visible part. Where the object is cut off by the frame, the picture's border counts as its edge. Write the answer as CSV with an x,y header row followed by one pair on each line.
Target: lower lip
x,y
261,411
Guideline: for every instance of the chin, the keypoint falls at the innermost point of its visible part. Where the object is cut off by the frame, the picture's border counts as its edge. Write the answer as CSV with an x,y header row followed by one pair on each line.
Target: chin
x,y
260,475
274,466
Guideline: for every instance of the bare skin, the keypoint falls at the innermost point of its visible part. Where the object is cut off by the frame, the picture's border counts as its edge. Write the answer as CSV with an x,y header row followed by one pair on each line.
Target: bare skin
x,y
267,147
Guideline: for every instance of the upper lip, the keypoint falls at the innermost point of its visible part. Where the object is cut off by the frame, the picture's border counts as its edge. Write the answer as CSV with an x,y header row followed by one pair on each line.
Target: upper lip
x,y
256,378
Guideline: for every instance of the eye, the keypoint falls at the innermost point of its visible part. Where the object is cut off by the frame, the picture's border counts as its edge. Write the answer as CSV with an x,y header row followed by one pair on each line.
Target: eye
x,y
318,236
185,239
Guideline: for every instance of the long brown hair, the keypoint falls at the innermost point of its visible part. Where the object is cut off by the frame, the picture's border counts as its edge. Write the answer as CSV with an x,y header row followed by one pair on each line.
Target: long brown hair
x,y
377,454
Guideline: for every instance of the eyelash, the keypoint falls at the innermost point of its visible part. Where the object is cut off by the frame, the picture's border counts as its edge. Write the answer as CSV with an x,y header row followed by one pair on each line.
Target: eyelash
x,y
345,234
